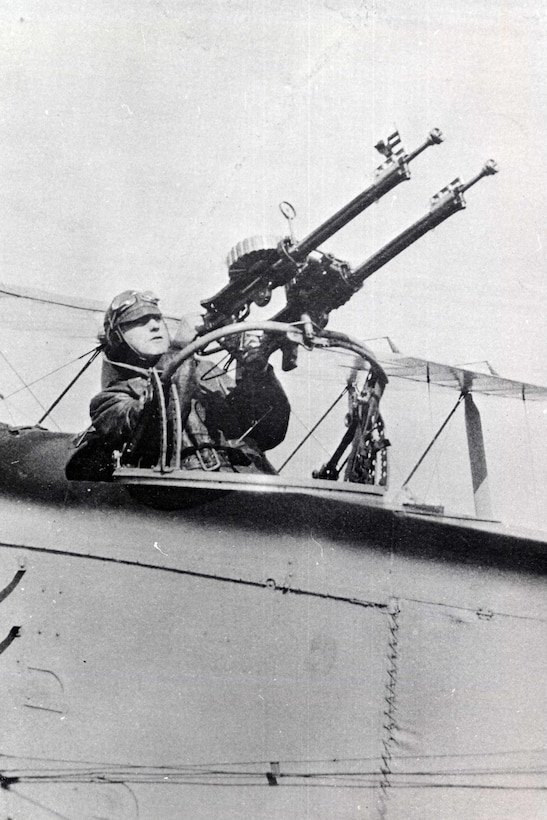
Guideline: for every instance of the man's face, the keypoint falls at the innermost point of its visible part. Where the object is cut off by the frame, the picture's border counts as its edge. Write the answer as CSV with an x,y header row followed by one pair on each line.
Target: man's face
x,y
147,336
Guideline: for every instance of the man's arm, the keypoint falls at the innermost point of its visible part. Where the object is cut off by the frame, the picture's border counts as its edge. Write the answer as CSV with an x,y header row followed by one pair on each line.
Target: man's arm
x,y
259,402
116,410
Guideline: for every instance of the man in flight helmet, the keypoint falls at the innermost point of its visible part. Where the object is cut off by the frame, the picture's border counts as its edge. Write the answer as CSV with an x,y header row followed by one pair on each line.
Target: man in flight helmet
x,y
226,424
134,325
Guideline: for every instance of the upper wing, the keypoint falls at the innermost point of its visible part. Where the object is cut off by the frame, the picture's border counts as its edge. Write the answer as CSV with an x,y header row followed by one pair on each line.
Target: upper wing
x,y
460,378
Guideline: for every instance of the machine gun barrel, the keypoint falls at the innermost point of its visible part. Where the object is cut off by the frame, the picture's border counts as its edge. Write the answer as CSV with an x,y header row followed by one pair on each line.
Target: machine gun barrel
x,y
443,205
315,293
236,297
390,174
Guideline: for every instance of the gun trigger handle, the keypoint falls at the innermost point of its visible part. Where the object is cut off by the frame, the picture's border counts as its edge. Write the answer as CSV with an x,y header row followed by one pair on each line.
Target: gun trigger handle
x,y
289,355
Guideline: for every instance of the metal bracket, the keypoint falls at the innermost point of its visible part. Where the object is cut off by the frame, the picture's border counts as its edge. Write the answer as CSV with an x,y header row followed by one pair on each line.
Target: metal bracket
x,y
273,774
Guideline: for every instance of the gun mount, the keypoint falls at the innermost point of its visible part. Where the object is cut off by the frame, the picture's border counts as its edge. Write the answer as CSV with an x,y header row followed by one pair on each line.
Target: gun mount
x,y
329,283
316,282
257,266
366,463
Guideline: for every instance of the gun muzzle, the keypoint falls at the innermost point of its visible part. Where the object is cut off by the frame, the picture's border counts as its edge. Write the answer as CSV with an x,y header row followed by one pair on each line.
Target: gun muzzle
x,y
388,175
449,200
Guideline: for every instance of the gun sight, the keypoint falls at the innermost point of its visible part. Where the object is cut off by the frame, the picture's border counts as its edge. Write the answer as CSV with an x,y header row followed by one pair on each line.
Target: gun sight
x,y
235,299
315,282
330,283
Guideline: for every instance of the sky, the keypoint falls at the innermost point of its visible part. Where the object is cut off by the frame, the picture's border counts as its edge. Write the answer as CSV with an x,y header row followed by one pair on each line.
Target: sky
x,y
140,141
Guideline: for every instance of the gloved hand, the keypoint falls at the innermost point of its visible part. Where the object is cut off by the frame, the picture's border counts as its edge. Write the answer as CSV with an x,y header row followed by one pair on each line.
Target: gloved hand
x,y
252,353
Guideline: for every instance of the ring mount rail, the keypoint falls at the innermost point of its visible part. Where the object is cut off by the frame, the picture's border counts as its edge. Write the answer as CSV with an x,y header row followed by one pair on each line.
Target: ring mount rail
x,y
169,471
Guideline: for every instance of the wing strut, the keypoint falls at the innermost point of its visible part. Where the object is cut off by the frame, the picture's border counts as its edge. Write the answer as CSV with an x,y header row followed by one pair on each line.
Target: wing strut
x,y
477,454
477,459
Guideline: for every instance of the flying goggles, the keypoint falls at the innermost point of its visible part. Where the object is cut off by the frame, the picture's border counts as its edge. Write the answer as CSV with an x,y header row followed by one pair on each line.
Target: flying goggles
x,y
131,305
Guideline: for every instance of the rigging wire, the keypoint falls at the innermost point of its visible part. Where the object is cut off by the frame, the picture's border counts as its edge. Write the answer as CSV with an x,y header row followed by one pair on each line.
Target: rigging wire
x,y
305,426
40,805
435,473
541,750
105,775
25,385
221,766
90,361
314,428
430,445
226,775
132,770
234,779
46,375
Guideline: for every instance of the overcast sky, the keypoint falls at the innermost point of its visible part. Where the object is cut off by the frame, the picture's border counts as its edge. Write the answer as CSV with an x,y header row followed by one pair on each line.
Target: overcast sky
x,y
141,140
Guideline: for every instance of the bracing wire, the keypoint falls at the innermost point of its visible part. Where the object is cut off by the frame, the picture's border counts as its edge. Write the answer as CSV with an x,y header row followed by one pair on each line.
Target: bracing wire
x,y
435,473
307,429
21,379
430,445
257,777
290,773
47,375
91,359
314,428
54,812
95,764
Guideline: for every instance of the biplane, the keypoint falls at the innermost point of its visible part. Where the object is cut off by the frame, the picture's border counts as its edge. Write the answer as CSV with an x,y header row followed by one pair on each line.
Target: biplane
x,y
324,642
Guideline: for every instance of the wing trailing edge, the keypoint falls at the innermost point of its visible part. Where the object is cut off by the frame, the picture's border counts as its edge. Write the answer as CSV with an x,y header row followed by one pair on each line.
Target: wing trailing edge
x,y
425,371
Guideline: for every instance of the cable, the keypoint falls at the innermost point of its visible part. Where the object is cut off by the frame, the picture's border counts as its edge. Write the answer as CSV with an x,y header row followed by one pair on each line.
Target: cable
x,y
428,448
46,375
97,764
372,779
40,805
92,358
257,584
304,425
25,385
314,428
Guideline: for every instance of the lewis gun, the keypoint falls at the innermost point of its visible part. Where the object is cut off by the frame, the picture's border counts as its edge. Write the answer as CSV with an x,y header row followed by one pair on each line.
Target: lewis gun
x,y
316,282
255,269
327,283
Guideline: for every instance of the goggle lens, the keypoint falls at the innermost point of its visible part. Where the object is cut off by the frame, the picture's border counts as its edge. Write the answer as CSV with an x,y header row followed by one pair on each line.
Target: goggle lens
x,y
124,301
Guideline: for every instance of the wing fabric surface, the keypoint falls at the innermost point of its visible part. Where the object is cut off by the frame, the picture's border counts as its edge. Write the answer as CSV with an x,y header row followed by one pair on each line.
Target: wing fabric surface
x,y
459,378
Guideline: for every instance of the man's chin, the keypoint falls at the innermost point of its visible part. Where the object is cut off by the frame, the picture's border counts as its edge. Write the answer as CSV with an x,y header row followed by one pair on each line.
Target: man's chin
x,y
158,350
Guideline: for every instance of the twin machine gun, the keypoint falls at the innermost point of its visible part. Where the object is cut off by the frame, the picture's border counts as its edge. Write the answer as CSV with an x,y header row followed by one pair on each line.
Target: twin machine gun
x,y
316,282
